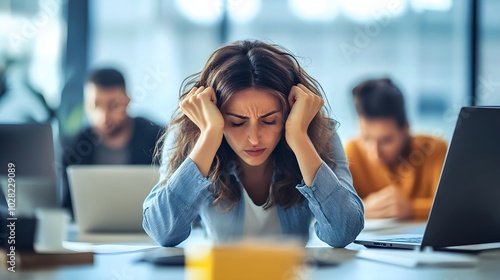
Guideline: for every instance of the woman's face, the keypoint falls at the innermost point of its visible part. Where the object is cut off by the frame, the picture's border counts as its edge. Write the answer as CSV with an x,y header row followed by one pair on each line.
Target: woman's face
x,y
253,125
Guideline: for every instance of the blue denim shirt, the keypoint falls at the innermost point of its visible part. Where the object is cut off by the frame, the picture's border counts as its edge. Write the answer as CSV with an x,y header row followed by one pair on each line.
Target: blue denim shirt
x,y
331,200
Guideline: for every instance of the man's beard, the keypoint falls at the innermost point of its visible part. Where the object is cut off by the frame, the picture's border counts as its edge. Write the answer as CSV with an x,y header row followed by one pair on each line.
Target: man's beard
x,y
117,129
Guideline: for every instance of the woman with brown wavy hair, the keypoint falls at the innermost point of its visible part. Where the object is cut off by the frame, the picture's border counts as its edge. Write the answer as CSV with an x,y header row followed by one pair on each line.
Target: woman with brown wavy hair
x,y
252,151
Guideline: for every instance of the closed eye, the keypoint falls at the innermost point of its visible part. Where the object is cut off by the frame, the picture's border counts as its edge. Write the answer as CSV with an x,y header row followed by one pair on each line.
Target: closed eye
x,y
237,124
271,122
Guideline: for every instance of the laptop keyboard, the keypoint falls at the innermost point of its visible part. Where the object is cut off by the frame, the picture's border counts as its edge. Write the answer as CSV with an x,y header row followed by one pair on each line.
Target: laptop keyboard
x,y
414,240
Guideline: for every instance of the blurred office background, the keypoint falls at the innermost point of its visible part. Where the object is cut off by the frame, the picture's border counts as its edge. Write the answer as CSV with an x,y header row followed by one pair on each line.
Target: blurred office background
x,y
443,53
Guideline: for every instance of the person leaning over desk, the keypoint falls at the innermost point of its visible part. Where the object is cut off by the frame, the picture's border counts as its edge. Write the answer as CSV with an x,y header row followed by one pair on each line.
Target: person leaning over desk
x,y
395,173
252,151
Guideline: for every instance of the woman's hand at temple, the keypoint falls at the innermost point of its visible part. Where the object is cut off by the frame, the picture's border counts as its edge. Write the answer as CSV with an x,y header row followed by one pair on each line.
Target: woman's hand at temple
x,y
304,105
199,105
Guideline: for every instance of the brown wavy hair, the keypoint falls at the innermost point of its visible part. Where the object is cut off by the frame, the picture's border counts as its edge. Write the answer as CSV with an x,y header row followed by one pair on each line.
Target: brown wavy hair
x,y
233,68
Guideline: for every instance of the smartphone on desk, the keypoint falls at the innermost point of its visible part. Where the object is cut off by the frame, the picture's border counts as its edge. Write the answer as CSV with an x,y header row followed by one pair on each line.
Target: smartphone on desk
x,y
165,256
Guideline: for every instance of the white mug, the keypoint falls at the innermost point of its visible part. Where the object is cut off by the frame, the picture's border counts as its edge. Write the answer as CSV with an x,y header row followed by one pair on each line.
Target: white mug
x,y
52,225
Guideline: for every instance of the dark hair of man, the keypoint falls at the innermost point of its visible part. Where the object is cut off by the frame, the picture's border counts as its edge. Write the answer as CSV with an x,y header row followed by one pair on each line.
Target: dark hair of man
x,y
106,78
380,98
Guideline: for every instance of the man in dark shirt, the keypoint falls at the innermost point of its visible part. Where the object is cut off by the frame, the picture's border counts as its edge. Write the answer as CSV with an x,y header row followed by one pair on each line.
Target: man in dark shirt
x,y
113,136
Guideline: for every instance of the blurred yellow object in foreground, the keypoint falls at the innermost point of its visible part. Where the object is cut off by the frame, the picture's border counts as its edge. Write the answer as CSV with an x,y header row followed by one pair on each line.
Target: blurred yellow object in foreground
x,y
242,261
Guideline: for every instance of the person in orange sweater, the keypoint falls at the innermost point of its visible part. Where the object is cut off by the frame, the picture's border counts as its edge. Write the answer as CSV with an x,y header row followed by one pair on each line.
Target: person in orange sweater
x,y
394,172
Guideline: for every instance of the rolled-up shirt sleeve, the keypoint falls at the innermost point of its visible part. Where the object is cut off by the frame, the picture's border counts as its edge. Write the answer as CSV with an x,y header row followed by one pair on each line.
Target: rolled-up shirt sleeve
x,y
333,201
173,204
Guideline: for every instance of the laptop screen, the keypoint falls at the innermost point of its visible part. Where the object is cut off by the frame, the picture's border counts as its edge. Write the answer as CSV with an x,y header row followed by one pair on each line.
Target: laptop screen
x,y
30,148
465,209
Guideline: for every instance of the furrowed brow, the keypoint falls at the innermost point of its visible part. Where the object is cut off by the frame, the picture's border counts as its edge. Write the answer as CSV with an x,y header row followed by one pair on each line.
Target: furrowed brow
x,y
246,118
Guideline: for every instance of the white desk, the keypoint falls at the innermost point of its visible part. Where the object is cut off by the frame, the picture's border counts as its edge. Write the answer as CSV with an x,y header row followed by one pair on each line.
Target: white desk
x,y
125,266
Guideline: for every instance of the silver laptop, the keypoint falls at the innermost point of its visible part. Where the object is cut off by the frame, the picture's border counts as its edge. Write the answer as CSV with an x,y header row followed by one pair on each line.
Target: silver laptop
x,y
465,210
107,199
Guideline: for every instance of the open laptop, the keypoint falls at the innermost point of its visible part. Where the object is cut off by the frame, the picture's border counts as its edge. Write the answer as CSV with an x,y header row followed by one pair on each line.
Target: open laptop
x,y
107,201
465,210
30,148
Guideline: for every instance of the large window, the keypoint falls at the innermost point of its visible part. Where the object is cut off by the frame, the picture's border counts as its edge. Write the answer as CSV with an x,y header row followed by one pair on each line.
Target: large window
x,y
422,45
489,73
31,47
155,46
